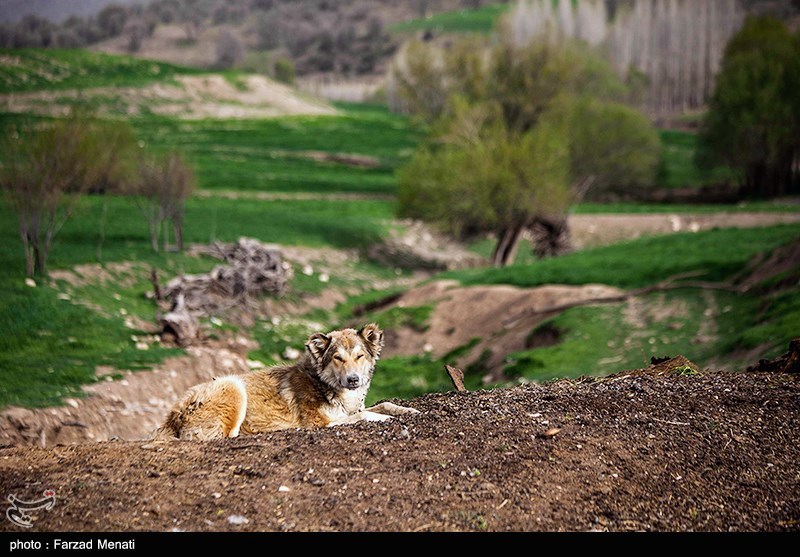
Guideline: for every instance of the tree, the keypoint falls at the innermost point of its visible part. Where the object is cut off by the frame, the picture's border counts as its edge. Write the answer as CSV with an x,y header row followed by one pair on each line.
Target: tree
x,y
551,125
161,189
753,121
136,30
613,148
482,177
46,170
424,76
111,19
267,30
230,49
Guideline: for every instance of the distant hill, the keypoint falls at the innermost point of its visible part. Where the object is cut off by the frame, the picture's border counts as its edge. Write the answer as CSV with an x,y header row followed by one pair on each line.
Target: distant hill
x,y
56,11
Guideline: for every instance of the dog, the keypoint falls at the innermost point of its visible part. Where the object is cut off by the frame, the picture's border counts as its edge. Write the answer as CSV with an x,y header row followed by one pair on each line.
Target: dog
x,y
325,387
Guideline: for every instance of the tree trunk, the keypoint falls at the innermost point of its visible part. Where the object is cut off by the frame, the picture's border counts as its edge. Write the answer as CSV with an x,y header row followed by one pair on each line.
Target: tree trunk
x,y
506,248
24,235
165,226
102,239
177,232
39,261
154,226
550,237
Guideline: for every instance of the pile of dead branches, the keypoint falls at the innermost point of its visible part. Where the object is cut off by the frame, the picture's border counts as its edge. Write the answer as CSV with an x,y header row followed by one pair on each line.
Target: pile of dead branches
x,y
251,270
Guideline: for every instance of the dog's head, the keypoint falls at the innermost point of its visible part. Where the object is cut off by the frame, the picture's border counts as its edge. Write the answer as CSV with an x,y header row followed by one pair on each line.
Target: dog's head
x,y
345,359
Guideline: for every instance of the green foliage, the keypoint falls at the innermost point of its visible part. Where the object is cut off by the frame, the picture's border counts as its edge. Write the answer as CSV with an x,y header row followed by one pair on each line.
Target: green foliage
x,y
284,70
753,122
492,180
418,83
113,152
612,148
518,134
56,69
480,20
273,65
526,81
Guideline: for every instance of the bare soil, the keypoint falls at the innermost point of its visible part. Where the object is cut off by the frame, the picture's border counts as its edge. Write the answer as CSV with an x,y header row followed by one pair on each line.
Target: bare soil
x,y
663,448
603,229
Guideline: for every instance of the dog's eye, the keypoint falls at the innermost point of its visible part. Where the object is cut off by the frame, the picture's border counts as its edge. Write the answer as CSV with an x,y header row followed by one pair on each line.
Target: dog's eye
x,y
360,356
338,358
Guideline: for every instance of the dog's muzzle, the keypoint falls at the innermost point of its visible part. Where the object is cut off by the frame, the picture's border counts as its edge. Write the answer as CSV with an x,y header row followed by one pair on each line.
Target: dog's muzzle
x,y
352,381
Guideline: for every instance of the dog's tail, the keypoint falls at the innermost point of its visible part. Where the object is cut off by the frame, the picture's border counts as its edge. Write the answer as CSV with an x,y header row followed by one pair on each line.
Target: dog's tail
x,y
209,411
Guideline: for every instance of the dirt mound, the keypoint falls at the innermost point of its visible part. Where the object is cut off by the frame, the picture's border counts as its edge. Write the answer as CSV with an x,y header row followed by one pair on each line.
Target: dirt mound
x,y
500,317
786,363
189,97
638,451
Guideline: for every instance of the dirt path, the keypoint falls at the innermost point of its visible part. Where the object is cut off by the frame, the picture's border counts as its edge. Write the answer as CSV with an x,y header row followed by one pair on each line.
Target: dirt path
x,y
603,229
647,450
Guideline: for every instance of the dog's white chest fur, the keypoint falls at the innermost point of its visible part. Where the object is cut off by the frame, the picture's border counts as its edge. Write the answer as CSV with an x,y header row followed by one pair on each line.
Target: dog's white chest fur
x,y
346,404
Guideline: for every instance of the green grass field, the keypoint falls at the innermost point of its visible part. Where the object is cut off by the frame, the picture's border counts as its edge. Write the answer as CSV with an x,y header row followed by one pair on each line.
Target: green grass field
x,y
28,69
266,155
481,20
714,254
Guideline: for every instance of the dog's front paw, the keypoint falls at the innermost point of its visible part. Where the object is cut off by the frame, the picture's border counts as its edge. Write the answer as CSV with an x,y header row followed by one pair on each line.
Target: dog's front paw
x,y
392,409
375,417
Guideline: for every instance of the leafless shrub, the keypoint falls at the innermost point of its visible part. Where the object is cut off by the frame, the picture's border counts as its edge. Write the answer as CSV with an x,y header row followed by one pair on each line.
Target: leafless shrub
x,y
45,171
161,189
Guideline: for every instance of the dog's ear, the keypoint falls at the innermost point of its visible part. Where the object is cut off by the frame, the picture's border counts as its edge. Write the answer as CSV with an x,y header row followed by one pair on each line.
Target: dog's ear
x,y
317,344
373,339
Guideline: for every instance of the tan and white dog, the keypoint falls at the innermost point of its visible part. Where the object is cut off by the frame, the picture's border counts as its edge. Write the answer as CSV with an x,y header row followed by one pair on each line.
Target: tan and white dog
x,y
326,387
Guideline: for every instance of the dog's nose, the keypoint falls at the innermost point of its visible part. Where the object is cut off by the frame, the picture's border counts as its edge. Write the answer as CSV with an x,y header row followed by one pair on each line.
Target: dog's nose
x,y
352,380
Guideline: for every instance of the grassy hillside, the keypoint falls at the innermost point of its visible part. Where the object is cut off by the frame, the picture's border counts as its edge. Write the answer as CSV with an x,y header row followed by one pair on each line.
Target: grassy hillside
x,y
28,69
50,346
481,20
